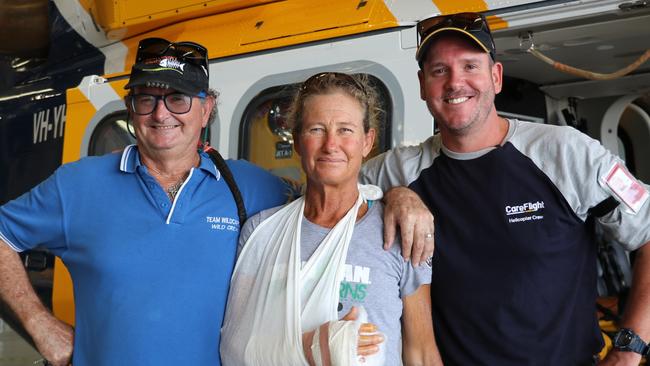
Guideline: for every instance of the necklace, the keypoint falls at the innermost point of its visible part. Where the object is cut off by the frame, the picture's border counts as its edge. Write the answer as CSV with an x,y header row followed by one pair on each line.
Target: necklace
x,y
172,190
158,172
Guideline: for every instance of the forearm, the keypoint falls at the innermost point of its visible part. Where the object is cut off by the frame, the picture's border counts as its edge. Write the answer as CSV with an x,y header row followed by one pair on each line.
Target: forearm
x,y
418,340
421,351
307,340
53,338
636,315
423,359
17,291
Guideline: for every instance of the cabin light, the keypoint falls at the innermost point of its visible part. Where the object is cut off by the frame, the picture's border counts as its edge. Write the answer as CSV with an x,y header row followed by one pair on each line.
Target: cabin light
x,y
19,62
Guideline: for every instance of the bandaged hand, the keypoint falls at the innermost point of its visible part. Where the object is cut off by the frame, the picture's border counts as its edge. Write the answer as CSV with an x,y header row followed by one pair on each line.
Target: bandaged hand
x,y
333,343
369,335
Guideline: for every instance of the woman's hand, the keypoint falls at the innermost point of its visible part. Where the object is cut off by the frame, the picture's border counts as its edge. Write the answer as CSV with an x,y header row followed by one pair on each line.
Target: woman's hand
x,y
368,342
369,336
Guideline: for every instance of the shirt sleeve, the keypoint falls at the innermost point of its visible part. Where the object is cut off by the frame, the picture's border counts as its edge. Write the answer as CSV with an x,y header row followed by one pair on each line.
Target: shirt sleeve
x,y
579,165
399,166
36,218
252,224
260,189
247,230
628,228
411,277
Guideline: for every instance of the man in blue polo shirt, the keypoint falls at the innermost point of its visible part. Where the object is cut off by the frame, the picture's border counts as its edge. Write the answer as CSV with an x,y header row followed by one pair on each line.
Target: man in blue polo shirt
x,y
149,234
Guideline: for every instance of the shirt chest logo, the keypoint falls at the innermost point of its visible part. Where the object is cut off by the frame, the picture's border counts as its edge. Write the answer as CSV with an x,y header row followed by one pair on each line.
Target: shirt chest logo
x,y
525,211
222,223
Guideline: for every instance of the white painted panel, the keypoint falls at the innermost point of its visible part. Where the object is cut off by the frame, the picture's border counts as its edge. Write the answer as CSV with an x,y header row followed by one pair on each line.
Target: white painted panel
x,y
239,80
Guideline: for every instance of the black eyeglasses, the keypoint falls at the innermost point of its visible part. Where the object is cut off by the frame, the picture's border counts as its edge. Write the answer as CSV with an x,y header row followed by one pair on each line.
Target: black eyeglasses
x,y
190,52
340,78
177,103
465,21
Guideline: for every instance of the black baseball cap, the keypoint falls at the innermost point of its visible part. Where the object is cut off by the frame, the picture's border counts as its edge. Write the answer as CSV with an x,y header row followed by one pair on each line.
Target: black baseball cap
x,y
159,63
472,25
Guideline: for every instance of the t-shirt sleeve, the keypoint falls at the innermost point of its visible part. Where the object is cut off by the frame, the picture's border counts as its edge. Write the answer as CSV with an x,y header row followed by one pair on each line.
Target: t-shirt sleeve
x,y
578,165
260,189
412,277
247,230
625,224
35,219
251,224
399,166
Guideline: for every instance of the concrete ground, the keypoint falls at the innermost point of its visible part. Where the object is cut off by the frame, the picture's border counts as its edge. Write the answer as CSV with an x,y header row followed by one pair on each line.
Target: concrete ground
x,y
14,351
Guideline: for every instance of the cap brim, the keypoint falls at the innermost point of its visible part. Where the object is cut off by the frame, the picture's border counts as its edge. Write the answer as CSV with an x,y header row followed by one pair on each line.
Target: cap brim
x,y
424,45
162,80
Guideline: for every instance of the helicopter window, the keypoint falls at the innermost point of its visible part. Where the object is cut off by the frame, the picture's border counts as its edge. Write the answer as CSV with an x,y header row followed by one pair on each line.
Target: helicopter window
x,y
112,133
265,136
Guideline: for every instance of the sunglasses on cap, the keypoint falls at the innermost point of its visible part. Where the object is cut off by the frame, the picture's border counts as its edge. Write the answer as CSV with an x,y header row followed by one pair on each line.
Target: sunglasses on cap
x,y
340,78
189,52
465,21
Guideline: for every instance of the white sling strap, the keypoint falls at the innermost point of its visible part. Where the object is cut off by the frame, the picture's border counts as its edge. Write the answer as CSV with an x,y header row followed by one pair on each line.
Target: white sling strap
x,y
273,301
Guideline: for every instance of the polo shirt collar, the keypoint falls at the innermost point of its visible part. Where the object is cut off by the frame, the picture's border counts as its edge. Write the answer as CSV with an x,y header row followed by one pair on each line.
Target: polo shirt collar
x,y
131,161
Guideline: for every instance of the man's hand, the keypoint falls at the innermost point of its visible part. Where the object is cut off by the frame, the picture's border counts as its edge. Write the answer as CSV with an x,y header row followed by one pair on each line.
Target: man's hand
x,y
405,209
53,338
619,358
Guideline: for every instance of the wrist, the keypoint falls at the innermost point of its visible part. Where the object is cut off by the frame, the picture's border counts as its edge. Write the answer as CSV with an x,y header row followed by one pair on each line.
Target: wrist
x,y
627,341
36,320
400,193
393,191
307,340
630,358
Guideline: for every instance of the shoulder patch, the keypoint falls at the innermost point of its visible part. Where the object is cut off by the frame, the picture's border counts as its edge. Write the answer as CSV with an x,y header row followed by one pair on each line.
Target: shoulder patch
x,y
632,193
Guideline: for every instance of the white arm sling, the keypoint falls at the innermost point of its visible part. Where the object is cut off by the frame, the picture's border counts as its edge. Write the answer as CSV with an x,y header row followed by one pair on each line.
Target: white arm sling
x,y
273,300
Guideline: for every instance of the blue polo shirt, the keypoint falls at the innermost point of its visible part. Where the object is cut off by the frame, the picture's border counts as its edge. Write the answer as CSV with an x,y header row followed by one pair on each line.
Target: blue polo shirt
x,y
150,276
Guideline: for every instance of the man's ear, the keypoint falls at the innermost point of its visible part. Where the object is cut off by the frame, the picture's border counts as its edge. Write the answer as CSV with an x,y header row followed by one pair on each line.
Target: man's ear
x,y
206,109
421,78
497,77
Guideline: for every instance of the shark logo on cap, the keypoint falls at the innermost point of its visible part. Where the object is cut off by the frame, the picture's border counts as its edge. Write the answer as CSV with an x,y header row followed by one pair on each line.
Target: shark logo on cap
x,y
171,63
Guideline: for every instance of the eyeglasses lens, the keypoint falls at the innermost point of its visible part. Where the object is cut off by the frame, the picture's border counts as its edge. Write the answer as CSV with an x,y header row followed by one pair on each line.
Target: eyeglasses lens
x,y
177,103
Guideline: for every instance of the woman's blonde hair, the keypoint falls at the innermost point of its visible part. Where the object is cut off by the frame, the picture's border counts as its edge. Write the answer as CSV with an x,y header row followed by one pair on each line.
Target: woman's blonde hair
x,y
354,85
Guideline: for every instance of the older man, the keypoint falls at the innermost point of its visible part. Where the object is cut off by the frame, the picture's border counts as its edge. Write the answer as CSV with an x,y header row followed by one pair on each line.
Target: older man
x,y
149,234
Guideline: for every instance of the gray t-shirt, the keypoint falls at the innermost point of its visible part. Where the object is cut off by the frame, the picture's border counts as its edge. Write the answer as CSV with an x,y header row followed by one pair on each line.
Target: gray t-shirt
x,y
374,278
